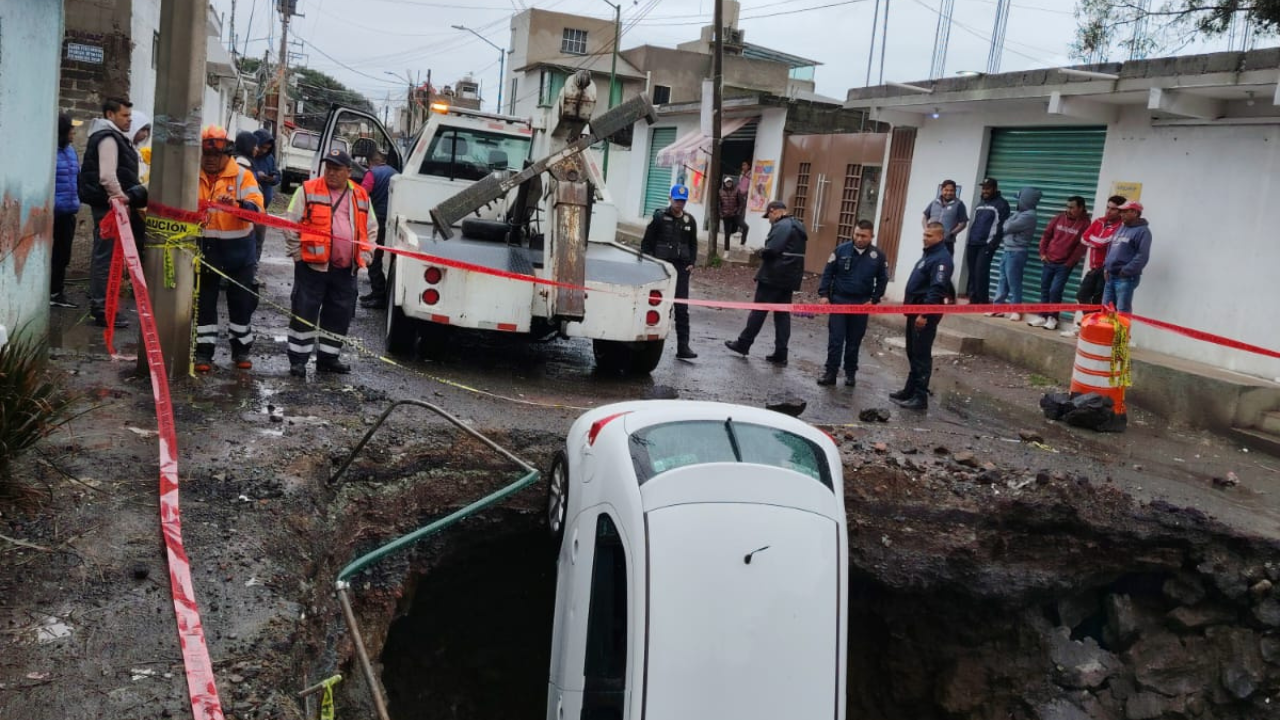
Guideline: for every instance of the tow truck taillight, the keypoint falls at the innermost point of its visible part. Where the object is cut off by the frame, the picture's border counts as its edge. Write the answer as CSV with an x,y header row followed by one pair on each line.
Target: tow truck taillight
x,y
432,275
598,425
431,296
655,298
652,317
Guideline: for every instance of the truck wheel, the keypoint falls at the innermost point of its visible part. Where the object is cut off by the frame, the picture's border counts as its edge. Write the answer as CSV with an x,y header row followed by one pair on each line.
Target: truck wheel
x,y
402,330
611,356
645,356
558,496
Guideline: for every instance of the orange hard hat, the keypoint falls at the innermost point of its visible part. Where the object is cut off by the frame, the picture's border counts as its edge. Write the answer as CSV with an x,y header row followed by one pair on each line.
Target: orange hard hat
x,y
214,139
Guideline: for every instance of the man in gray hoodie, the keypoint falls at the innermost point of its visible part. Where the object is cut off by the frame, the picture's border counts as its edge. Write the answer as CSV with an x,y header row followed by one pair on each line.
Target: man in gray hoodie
x,y
1126,257
1019,230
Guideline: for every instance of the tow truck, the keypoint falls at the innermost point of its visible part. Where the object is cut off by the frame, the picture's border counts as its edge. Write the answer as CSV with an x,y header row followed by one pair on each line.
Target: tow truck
x,y
472,191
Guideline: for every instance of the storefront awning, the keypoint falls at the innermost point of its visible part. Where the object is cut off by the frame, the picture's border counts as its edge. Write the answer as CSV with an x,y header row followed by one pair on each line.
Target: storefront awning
x,y
687,148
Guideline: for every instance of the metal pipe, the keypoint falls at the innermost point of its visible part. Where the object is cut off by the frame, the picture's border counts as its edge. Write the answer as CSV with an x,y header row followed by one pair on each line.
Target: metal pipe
x,y
375,688
319,686
913,88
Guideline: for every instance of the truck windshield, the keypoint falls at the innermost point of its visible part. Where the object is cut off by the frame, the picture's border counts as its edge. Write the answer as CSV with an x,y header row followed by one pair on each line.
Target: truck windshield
x,y
310,141
659,448
469,154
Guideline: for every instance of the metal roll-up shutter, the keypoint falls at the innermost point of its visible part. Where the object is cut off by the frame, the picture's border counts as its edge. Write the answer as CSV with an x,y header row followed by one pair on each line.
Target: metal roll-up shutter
x,y
657,187
1061,161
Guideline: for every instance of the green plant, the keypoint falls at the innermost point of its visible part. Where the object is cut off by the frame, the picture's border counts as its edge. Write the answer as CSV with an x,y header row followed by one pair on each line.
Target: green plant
x,y
715,261
1041,381
32,403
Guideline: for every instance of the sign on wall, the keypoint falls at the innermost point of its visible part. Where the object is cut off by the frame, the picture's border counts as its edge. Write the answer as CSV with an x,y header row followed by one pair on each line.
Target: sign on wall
x,y
1127,190
80,52
762,175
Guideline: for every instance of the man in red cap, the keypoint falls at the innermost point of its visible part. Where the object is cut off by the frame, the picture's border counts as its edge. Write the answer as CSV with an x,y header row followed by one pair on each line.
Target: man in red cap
x,y
1130,249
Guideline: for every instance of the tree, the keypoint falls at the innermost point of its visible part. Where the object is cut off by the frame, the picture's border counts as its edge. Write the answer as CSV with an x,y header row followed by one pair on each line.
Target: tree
x,y
1134,28
317,90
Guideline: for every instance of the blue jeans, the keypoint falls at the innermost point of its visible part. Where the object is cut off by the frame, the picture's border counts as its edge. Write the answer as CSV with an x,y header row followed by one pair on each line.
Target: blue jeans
x,y
1009,289
1053,280
1119,291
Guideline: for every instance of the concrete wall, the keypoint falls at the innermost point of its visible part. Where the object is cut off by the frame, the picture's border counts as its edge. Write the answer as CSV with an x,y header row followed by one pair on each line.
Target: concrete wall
x,y
144,24
545,30
1206,190
683,71
30,34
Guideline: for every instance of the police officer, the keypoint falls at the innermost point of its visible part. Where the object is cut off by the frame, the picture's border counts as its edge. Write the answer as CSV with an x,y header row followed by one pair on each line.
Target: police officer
x,y
856,274
929,284
672,235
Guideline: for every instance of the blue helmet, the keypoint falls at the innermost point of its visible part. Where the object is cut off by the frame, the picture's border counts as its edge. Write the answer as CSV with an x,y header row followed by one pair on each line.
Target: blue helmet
x,y
679,192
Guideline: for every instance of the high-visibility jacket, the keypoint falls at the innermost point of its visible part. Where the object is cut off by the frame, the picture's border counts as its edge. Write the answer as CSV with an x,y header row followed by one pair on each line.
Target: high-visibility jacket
x,y
317,212
236,183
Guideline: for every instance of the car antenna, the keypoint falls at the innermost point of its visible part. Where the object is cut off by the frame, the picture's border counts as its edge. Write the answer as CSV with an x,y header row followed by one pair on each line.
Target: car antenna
x,y
747,558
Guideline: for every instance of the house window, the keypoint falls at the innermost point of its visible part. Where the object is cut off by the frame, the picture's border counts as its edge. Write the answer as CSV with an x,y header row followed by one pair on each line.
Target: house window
x,y
661,94
574,42
605,660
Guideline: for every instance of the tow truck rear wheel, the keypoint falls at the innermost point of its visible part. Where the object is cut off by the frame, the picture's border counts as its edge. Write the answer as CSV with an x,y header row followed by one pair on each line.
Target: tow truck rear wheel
x,y
634,358
402,330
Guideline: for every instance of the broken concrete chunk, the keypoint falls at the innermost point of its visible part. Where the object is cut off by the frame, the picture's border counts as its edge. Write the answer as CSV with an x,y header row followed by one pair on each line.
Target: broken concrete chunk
x,y
1081,664
1170,666
1243,670
1267,612
1145,706
1061,710
1190,618
787,405
874,415
1260,589
1076,609
966,459
1030,436
1184,588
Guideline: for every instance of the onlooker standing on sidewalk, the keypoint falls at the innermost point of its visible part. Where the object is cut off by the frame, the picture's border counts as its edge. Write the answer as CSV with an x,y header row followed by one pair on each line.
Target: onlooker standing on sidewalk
x,y
948,210
1097,239
779,276
732,208
65,206
377,182
1126,257
268,176
856,274
246,150
1060,250
672,235
929,284
109,172
1018,230
985,235
326,261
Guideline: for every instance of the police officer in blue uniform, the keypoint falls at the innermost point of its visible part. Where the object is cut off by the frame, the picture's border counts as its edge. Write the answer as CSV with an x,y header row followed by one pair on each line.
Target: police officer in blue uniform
x,y
856,274
672,235
929,284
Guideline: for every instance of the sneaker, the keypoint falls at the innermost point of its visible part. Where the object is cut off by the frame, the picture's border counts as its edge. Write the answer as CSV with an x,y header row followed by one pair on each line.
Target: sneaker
x,y
1014,316
1070,332
991,314
1051,323
1038,321
60,300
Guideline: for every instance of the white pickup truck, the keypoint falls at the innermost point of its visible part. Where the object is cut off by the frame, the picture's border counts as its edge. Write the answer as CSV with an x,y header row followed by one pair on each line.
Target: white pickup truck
x,y
298,154
626,307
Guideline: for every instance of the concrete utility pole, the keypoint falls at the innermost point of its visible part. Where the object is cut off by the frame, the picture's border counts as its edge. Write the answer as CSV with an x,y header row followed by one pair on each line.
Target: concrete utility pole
x,y
711,183
282,103
175,168
613,75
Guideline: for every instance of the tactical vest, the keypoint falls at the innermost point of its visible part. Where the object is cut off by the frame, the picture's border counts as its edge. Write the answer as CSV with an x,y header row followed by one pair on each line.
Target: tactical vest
x,y
670,243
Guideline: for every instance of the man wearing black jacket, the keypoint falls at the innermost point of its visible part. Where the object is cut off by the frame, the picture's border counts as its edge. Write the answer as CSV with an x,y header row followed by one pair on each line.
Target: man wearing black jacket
x,y
672,235
781,270
985,234
929,284
109,172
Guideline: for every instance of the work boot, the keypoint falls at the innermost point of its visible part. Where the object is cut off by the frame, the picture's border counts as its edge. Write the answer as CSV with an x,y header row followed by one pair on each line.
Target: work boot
x,y
918,401
777,358
737,347
850,380
332,366
906,392
684,352
374,302
298,370
368,296
828,378
242,362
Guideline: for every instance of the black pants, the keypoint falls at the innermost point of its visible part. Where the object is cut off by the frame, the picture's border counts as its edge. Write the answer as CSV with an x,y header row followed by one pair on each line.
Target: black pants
x,y
682,310
260,239
977,259
64,232
232,257
920,353
327,299
950,244
766,293
1091,285
732,225
844,336
377,277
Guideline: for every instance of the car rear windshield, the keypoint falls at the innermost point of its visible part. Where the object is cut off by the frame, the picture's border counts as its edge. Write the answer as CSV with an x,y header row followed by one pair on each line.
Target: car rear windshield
x,y
468,154
659,448
310,141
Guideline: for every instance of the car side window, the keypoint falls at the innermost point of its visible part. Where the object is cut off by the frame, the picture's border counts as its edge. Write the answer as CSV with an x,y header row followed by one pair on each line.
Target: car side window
x,y
605,659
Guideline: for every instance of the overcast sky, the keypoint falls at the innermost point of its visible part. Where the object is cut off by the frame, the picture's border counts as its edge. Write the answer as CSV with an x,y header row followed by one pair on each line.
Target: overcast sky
x,y
359,47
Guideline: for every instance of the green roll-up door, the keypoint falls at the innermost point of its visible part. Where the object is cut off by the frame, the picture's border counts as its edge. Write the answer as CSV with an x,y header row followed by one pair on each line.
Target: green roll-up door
x,y
657,188
1061,161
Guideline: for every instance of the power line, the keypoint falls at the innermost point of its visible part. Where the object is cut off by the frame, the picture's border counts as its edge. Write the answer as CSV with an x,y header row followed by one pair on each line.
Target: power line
x,y
757,17
941,38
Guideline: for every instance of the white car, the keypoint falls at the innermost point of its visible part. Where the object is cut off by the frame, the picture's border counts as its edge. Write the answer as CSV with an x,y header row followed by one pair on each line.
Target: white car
x,y
702,566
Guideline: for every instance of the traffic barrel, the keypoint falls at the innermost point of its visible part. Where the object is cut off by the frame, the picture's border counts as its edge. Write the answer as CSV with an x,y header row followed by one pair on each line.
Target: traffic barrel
x,y
1102,360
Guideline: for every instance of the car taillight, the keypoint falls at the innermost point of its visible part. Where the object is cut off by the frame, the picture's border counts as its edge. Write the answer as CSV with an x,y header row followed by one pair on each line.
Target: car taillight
x,y
652,317
431,297
432,275
655,298
598,425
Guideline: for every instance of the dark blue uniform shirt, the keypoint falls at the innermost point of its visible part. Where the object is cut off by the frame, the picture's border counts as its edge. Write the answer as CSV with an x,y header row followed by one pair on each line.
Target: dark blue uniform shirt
x,y
851,276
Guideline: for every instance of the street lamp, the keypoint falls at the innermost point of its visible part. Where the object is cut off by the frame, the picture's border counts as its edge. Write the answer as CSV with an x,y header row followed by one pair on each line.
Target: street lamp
x,y
409,104
613,73
502,57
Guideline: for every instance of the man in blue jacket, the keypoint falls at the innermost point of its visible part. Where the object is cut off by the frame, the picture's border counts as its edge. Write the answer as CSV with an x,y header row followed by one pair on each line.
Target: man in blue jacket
x,y
986,232
65,206
929,284
1126,257
268,177
856,274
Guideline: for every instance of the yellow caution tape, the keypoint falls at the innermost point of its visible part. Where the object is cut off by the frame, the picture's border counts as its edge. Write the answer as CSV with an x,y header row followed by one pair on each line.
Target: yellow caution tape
x,y
174,235
327,710
1120,376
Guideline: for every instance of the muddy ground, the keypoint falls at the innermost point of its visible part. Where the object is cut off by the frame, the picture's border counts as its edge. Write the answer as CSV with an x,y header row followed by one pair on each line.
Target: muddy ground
x,y
1001,566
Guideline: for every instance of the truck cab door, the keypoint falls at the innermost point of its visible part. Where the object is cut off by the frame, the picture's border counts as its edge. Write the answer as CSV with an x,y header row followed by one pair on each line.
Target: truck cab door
x,y
358,133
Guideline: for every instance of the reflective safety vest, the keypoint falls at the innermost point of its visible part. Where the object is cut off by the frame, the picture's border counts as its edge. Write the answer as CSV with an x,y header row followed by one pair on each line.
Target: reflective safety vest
x,y
318,213
233,182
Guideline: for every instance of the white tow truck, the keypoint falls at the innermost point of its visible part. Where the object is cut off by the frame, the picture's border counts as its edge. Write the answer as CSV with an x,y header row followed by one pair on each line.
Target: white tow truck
x,y
472,191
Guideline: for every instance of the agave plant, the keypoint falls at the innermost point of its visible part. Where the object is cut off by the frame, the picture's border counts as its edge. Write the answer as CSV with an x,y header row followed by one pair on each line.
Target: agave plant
x,y
32,403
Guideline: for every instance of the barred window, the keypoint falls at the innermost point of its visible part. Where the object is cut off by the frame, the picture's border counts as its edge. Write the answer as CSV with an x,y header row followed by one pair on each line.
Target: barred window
x,y
574,42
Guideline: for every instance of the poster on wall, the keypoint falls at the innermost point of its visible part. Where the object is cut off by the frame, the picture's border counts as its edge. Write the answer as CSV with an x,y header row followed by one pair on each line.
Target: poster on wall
x,y
761,186
1128,190
693,175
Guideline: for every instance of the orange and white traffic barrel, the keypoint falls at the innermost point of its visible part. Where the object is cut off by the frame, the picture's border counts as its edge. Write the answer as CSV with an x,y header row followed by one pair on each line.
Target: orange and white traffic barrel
x,y
1102,360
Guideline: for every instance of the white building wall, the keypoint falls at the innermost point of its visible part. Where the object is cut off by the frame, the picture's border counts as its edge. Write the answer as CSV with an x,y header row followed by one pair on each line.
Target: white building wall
x,y
142,72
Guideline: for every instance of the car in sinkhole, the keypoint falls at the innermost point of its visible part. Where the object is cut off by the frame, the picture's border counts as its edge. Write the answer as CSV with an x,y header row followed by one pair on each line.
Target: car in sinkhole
x,y
702,566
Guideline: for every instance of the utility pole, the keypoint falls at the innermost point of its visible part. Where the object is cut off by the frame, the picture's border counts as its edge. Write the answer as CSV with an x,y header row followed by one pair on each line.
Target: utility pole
x,y
613,74
175,169
282,103
711,190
